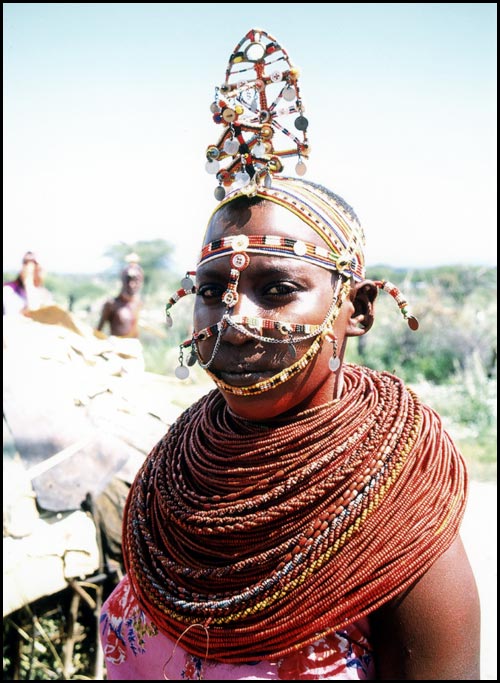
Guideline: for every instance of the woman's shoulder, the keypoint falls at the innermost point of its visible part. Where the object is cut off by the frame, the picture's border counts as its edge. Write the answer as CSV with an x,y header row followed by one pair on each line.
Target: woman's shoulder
x,y
445,600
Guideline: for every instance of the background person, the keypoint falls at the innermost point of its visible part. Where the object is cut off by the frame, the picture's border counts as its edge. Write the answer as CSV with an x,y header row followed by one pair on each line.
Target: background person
x,y
27,292
121,314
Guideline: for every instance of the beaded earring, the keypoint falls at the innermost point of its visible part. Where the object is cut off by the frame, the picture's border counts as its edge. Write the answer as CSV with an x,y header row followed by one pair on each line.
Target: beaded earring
x,y
182,371
334,362
187,287
391,289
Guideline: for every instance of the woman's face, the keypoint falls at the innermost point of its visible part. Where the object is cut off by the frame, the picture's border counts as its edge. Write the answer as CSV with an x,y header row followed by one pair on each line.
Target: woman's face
x,y
275,288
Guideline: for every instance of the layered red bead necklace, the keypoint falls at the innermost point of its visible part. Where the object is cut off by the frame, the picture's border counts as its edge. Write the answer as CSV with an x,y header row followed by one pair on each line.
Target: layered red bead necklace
x,y
272,535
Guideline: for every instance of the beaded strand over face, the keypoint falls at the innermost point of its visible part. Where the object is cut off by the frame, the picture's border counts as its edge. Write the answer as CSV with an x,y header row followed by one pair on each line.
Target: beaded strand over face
x,y
341,292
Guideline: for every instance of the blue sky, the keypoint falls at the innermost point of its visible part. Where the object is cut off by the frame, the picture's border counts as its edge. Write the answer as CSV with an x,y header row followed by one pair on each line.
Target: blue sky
x,y
106,123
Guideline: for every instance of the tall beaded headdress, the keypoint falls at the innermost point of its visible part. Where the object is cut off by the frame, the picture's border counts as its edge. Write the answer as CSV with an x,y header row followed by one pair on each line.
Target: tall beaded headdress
x,y
261,114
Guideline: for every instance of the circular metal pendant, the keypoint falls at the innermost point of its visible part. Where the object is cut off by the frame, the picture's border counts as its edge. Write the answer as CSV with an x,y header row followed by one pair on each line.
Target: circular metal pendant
x,y
334,364
181,372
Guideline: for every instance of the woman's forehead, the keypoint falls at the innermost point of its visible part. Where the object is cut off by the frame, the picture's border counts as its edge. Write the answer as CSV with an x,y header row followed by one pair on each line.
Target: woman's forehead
x,y
264,218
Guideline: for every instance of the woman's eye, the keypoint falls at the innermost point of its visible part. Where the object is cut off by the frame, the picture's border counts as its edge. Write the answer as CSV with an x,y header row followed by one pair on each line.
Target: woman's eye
x,y
210,292
280,289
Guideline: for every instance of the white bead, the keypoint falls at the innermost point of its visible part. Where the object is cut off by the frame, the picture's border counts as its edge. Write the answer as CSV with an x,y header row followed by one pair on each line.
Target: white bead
x,y
212,167
242,177
300,248
239,242
259,149
289,93
300,168
273,240
255,52
231,146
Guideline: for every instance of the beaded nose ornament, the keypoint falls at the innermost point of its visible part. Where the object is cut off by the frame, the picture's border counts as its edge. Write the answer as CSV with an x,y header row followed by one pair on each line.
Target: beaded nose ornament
x,y
261,114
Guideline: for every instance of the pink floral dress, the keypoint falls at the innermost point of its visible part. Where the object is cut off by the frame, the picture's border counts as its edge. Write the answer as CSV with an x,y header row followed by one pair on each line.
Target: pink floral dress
x,y
134,649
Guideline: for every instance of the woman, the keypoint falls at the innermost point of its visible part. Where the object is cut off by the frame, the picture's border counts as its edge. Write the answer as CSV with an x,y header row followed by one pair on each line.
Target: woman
x,y
26,293
300,521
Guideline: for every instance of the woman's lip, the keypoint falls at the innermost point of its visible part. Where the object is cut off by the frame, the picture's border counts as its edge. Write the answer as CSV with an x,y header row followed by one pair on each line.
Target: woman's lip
x,y
241,378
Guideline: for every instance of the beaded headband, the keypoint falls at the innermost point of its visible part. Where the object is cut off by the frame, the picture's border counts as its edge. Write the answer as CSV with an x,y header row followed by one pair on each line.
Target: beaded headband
x,y
323,211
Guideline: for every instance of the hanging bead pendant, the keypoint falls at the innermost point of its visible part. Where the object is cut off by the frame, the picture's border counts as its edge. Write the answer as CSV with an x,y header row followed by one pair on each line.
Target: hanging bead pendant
x,y
334,364
181,372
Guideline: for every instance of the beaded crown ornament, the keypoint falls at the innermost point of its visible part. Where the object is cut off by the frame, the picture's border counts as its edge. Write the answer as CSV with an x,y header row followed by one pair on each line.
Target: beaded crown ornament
x,y
261,114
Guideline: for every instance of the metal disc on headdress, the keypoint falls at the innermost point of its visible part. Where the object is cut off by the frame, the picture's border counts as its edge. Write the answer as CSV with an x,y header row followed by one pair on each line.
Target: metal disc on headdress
x,y
261,114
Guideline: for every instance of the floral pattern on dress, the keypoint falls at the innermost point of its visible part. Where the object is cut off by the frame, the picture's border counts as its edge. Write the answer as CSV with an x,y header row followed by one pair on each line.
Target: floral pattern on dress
x,y
328,657
192,669
127,626
126,630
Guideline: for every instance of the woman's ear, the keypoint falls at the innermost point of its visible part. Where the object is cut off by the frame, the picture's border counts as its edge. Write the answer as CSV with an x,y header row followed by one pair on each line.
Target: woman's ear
x,y
363,295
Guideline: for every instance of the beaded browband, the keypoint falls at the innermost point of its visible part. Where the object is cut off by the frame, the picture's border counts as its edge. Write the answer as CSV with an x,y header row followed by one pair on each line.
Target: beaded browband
x,y
325,213
272,245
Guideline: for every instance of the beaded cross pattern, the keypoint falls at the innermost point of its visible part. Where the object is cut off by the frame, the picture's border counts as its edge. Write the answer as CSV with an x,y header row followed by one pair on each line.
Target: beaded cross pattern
x,y
262,115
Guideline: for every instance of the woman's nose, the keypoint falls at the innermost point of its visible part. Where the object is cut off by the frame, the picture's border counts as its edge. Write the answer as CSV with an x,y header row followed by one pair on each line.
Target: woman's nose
x,y
243,308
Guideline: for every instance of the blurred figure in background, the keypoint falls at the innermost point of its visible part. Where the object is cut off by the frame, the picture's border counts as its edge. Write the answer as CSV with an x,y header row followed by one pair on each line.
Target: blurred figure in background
x,y
26,293
121,313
